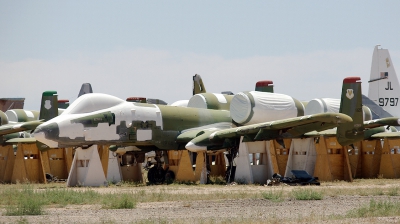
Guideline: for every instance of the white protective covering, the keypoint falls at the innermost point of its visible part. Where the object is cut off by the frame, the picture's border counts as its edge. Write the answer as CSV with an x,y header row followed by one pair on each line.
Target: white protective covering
x,y
198,101
210,101
322,105
180,103
329,105
20,115
367,113
267,107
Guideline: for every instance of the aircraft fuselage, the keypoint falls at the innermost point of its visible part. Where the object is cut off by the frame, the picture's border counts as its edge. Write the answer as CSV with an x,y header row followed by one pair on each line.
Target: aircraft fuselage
x,y
146,126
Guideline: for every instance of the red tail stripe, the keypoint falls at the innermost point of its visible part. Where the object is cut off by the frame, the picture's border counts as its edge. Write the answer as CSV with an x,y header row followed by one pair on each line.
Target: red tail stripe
x,y
351,79
264,83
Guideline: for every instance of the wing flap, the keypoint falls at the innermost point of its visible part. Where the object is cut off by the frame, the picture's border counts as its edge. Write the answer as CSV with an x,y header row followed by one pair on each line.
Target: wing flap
x,y
391,121
386,135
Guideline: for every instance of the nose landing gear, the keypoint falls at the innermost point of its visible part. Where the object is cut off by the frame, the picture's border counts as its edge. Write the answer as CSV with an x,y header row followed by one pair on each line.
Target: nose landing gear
x,y
157,174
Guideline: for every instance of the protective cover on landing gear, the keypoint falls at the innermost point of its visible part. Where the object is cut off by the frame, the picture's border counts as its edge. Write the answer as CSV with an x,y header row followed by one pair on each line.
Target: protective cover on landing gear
x,y
301,177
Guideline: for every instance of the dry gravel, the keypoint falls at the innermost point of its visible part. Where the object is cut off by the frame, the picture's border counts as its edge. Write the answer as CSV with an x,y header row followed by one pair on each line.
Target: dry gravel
x,y
255,210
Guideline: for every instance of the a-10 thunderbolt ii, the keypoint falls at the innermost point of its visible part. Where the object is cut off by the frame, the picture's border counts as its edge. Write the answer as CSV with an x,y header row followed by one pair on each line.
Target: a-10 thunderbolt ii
x,y
107,120
16,125
21,130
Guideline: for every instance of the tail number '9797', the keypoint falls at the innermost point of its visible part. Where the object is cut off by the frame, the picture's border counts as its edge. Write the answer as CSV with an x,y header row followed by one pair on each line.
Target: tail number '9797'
x,y
388,102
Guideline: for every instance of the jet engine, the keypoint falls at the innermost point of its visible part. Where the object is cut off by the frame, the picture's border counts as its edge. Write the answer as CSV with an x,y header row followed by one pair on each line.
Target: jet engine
x,y
324,105
214,101
21,115
256,107
3,118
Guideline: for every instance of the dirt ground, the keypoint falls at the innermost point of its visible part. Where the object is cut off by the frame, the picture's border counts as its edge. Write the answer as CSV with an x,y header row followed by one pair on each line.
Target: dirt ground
x,y
238,210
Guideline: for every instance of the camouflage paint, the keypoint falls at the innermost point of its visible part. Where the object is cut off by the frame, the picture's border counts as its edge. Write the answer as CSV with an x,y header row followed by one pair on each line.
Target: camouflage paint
x,y
351,104
214,101
127,124
198,86
21,115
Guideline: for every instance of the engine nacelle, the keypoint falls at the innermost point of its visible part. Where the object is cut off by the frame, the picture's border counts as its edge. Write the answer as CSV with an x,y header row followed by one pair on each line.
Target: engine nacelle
x,y
20,115
328,105
3,118
215,101
180,103
257,107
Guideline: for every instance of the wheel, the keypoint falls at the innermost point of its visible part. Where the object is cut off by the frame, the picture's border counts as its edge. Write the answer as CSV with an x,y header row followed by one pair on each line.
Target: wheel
x,y
169,176
156,175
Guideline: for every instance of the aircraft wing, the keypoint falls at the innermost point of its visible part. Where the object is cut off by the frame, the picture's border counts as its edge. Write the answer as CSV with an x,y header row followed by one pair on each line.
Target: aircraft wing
x,y
386,135
371,125
331,132
21,140
190,134
391,121
285,128
17,127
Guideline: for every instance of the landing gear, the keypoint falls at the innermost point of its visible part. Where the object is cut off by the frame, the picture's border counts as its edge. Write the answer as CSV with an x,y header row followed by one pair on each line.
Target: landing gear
x,y
157,174
230,171
169,176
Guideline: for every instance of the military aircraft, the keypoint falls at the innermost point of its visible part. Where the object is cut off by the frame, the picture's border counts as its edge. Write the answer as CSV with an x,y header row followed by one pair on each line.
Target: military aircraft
x,y
218,101
85,88
358,129
384,88
17,124
107,120
198,86
12,130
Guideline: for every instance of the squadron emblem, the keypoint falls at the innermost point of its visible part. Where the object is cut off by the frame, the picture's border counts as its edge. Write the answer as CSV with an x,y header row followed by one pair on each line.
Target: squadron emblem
x,y
350,94
47,104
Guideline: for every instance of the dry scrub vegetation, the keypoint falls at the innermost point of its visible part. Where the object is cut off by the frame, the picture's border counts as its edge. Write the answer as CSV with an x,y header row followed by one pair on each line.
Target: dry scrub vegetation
x,y
366,201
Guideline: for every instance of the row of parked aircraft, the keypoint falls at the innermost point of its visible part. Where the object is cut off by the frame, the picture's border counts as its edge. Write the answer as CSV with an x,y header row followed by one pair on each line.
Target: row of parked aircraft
x,y
211,122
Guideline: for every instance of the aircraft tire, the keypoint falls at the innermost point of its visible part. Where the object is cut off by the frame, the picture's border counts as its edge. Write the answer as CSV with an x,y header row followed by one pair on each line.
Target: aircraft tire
x,y
169,176
156,175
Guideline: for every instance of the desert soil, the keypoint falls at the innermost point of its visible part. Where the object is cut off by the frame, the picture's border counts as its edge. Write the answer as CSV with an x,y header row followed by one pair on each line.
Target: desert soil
x,y
253,210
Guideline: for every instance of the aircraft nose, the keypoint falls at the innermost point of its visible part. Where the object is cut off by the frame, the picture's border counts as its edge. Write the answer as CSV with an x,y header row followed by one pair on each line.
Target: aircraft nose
x,y
46,134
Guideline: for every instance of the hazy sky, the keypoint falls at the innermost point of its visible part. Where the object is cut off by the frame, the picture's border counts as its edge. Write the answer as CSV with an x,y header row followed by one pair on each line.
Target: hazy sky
x,y
153,48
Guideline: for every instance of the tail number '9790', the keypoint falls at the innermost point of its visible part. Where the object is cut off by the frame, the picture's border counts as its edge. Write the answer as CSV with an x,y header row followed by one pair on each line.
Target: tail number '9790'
x,y
388,102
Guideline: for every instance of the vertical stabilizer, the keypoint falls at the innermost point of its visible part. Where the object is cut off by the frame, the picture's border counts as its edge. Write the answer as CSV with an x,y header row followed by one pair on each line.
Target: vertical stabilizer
x,y
48,110
86,88
198,86
265,86
49,106
351,104
383,84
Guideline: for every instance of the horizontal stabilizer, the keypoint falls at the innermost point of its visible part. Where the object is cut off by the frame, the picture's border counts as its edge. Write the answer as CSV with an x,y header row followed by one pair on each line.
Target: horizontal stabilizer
x,y
377,111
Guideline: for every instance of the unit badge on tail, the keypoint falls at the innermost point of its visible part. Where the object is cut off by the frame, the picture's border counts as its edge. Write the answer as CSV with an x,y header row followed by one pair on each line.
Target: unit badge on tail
x,y
47,104
350,94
